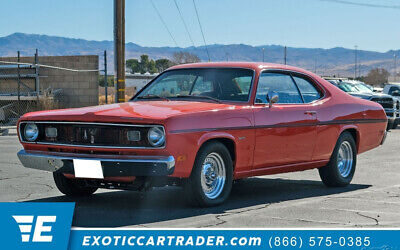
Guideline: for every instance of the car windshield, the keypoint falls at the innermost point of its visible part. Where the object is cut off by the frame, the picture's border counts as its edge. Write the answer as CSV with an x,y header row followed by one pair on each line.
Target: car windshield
x,y
216,84
348,87
363,88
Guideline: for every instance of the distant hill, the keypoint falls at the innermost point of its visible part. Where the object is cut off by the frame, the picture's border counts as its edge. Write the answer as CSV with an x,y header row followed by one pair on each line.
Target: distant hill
x,y
335,61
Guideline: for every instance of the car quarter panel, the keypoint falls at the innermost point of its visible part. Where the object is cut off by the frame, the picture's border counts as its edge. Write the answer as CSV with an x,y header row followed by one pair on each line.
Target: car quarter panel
x,y
344,112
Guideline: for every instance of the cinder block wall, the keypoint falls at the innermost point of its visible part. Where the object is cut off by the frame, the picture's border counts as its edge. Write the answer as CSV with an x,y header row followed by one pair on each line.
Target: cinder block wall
x,y
79,89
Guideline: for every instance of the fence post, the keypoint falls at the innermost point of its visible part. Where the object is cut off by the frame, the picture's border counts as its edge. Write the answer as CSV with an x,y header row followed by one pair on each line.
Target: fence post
x,y
105,76
37,74
19,82
18,76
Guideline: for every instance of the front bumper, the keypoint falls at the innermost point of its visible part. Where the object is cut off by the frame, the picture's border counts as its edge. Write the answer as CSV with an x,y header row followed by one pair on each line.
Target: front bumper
x,y
391,114
112,165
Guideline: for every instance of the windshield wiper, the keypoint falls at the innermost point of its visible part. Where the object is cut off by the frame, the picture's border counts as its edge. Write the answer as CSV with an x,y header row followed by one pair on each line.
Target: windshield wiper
x,y
152,97
199,97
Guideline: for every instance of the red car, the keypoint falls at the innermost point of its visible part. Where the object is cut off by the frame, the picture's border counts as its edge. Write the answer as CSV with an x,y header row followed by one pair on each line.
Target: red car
x,y
202,126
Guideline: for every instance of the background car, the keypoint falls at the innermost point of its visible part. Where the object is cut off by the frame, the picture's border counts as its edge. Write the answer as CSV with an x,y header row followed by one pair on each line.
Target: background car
x,y
365,91
393,89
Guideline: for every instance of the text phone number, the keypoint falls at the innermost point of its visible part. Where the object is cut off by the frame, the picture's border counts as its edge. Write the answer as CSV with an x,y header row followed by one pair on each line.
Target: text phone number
x,y
319,241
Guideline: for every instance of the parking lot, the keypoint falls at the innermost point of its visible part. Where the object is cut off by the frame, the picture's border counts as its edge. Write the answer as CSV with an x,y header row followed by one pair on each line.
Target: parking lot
x,y
285,200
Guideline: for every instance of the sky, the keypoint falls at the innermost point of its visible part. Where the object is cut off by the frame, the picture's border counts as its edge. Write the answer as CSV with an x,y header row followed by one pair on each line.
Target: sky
x,y
369,24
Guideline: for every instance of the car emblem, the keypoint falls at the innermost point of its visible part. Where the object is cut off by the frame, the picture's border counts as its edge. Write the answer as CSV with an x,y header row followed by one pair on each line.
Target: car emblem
x,y
89,132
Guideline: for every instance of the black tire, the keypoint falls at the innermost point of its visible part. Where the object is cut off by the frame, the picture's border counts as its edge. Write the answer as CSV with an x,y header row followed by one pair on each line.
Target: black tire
x,y
72,187
395,124
390,125
330,174
193,189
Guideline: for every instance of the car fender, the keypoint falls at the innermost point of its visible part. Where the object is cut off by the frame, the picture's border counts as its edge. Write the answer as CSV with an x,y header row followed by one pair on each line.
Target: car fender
x,y
214,135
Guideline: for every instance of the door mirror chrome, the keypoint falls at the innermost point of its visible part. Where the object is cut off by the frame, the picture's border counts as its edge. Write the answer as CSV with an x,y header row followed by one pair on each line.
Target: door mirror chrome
x,y
272,98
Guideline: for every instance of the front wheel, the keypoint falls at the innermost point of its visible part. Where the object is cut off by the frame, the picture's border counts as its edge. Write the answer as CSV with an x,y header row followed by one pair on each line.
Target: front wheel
x,y
71,187
340,170
211,180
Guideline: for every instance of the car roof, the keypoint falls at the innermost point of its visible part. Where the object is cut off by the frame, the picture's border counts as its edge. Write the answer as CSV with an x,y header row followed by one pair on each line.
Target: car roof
x,y
257,66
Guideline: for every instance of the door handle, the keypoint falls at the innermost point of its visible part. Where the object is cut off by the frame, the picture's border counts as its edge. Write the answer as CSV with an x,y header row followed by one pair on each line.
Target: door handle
x,y
310,112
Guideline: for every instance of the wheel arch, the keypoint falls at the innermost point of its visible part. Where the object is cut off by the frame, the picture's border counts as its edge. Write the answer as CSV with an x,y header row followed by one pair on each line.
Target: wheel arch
x,y
227,140
353,130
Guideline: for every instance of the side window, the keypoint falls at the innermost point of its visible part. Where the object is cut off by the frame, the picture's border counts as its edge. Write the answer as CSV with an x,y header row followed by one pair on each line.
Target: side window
x,y
307,89
280,83
393,89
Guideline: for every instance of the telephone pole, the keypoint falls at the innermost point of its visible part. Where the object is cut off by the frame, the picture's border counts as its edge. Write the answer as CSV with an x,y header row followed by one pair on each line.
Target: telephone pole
x,y
285,54
355,62
263,50
395,67
119,50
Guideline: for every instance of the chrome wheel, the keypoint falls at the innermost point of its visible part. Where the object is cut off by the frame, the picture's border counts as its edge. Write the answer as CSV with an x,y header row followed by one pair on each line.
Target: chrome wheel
x,y
213,175
345,159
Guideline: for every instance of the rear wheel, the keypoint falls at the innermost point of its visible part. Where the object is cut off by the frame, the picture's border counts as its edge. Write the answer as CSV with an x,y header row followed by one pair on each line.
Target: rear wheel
x,y
211,180
340,170
72,187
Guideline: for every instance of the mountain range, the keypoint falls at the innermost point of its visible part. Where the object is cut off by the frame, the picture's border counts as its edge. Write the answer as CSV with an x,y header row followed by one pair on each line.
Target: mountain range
x,y
335,61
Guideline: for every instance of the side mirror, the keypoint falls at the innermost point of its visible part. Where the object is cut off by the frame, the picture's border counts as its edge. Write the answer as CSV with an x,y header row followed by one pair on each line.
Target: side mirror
x,y
272,98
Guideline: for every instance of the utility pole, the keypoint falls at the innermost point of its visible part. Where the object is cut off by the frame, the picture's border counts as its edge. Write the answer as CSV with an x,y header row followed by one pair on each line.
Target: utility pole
x,y
285,52
315,65
119,50
395,67
263,50
105,76
355,62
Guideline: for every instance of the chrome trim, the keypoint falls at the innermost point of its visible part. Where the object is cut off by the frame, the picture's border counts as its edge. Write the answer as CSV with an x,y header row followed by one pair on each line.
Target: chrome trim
x,y
384,137
90,123
54,161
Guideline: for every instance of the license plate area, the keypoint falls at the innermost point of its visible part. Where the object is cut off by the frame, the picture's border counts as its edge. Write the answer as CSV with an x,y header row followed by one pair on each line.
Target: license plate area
x,y
88,169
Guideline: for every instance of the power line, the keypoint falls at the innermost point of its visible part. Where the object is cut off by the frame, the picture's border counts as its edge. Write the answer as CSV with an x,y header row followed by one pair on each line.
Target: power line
x,y
184,23
165,25
364,4
201,29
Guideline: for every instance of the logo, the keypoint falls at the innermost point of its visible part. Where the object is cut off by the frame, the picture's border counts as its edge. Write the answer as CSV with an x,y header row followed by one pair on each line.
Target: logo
x,y
42,225
91,132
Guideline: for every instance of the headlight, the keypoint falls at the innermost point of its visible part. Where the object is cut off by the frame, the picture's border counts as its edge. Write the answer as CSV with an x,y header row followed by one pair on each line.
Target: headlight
x,y
156,136
31,132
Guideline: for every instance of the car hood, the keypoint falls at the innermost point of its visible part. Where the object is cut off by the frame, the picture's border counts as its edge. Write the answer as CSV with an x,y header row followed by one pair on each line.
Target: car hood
x,y
368,96
140,111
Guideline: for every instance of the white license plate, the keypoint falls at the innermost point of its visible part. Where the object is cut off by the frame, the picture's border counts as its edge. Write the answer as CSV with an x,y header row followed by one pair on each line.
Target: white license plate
x,y
88,169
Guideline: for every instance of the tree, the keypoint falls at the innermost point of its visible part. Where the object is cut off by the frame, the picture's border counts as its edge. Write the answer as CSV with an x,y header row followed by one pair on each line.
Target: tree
x,y
144,64
377,76
152,67
110,81
133,65
184,57
163,64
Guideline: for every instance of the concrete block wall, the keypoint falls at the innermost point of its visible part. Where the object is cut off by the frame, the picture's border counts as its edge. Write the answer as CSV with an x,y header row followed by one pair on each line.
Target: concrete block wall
x,y
79,89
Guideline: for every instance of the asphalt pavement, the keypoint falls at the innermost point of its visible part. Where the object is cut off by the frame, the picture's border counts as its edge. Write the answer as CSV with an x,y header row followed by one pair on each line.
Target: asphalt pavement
x,y
287,200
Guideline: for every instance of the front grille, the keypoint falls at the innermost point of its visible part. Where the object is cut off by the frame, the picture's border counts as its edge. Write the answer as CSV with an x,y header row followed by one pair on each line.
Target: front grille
x,y
386,103
92,134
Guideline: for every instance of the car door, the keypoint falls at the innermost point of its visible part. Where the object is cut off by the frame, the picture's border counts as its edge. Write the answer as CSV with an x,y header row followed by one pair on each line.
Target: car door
x,y
286,131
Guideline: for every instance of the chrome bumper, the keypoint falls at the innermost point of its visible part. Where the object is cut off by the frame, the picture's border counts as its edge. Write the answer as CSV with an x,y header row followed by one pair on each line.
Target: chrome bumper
x,y
384,137
113,166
